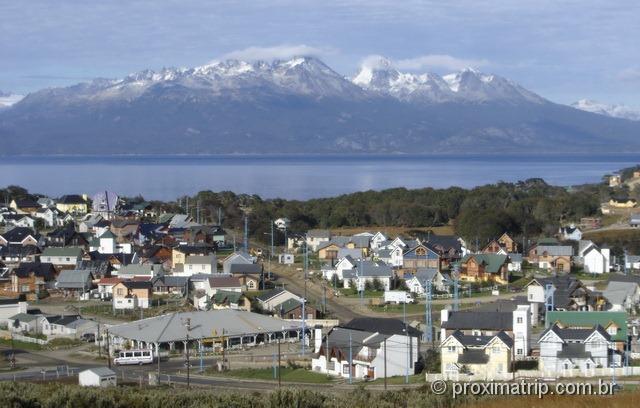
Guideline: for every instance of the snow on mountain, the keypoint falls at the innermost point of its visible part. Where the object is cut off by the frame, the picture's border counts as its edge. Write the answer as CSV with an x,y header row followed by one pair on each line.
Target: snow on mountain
x,y
468,85
615,111
7,99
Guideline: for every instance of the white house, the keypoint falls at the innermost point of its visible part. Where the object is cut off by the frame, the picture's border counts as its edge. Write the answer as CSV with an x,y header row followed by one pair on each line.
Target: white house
x,y
24,322
343,264
196,264
570,233
269,300
370,349
515,262
377,240
417,282
563,349
632,262
48,216
62,256
368,272
236,258
98,377
317,237
622,295
594,259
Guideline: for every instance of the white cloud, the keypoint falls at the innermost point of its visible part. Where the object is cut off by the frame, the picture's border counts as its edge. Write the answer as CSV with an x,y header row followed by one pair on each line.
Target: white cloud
x,y
439,61
629,74
278,52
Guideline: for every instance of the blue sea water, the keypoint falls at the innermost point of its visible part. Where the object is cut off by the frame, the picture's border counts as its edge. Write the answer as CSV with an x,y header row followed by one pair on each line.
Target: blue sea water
x,y
294,177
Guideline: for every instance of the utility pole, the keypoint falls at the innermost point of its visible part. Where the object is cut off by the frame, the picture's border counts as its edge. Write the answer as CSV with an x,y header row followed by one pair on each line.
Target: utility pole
x,y
246,234
108,349
350,360
279,357
428,323
385,363
271,253
224,354
186,349
406,333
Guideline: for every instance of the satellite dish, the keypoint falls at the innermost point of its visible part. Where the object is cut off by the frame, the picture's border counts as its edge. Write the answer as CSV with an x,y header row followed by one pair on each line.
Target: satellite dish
x,y
104,202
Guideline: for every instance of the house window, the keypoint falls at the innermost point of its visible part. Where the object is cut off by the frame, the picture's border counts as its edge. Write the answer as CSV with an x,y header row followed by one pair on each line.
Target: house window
x,y
496,350
519,351
345,369
566,366
530,296
451,349
120,292
519,320
612,330
190,267
588,365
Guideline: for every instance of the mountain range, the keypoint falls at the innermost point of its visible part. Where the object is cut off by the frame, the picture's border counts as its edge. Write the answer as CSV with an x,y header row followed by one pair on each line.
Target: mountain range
x,y
614,110
303,106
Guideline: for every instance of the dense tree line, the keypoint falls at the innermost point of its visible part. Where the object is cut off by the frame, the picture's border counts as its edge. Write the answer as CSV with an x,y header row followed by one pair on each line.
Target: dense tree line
x,y
530,208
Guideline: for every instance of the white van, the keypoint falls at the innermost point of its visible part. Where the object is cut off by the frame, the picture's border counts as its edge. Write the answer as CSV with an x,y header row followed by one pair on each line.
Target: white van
x,y
134,357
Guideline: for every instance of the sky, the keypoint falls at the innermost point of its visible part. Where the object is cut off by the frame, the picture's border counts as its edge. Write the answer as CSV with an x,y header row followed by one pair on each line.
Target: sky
x,y
563,50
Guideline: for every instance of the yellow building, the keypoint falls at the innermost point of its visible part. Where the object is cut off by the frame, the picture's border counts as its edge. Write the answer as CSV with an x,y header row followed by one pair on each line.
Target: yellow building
x,y
73,204
476,357
622,202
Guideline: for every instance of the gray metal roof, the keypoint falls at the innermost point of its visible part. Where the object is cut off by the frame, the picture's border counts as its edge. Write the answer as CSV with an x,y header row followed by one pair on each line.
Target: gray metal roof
x,y
473,357
74,279
204,324
617,292
555,250
470,320
368,269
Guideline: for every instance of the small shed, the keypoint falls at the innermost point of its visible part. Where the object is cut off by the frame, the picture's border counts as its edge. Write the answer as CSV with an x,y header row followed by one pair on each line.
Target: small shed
x,y
98,377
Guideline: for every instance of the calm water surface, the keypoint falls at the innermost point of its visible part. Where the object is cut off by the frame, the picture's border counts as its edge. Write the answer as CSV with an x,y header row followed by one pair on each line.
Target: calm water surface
x,y
297,177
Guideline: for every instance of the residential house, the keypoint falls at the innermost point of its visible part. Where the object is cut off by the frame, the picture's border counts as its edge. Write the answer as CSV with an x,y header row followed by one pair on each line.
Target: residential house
x,y
170,285
346,263
148,271
251,276
448,247
74,282
66,326
98,377
270,299
594,259
378,240
132,295
21,236
19,220
368,272
92,222
292,309
614,323
367,348
420,256
515,262
25,323
124,229
317,237
485,267
622,202
72,204
563,349
418,281
15,253
156,254
236,258
48,216
179,254
105,287
32,277
551,257
329,250
516,324
631,262
224,299
570,233
480,357
24,206
62,257
202,264
66,235
622,295
564,293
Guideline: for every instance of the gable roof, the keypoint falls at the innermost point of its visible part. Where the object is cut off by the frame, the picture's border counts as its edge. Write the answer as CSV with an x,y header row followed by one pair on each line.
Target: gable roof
x,y
72,199
470,320
591,319
71,252
74,279
382,325
39,269
224,282
492,262
18,234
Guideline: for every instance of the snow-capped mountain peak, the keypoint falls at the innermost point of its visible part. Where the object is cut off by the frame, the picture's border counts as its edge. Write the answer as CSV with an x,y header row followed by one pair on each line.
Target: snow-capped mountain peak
x,y
613,110
7,99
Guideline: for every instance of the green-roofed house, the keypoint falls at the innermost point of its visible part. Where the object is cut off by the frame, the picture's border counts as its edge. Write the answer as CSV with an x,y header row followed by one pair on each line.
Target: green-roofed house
x,y
24,322
485,267
614,323
62,257
292,309
225,299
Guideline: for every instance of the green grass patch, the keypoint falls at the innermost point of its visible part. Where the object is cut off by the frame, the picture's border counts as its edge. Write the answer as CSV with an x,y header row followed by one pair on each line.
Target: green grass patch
x,y
21,345
347,292
299,375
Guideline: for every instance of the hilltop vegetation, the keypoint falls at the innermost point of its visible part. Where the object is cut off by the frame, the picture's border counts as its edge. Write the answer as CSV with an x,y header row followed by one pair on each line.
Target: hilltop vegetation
x,y
530,207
